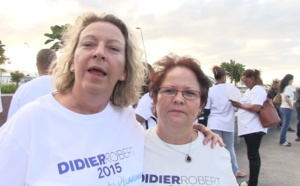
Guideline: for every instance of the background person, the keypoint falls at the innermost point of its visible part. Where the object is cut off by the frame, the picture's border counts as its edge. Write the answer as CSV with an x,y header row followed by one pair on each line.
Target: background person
x,y
37,87
272,92
179,91
143,110
221,118
297,106
249,125
286,107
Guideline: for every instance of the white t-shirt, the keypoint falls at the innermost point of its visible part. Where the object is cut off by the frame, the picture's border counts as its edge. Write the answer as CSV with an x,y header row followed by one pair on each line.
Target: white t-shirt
x,y
144,110
165,166
30,91
46,144
287,93
222,112
248,122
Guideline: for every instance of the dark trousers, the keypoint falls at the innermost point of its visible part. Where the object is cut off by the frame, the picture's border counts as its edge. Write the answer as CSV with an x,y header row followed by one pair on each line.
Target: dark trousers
x,y
253,143
298,125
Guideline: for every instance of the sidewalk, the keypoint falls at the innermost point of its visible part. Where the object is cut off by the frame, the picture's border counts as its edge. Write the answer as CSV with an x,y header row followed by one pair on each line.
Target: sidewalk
x,y
279,165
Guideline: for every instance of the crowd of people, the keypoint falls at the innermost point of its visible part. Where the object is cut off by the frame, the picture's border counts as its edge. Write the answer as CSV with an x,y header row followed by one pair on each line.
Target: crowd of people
x,y
84,127
85,132
222,108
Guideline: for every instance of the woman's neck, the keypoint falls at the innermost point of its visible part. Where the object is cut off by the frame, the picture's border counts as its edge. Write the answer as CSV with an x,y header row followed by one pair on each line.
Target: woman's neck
x,y
176,136
219,81
79,103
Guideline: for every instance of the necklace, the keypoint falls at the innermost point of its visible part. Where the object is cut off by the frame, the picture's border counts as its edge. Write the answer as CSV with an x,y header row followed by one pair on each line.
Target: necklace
x,y
77,104
188,158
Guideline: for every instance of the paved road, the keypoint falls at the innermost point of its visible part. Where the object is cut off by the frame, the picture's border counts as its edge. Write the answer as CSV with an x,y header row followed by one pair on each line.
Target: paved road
x,y
5,105
280,166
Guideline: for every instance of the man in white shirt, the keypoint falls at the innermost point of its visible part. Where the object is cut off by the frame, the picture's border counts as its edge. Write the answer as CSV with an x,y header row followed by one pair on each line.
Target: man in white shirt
x,y
37,87
144,113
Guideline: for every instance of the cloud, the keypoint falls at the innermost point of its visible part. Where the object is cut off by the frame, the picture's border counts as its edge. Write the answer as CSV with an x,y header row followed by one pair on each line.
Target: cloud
x,y
262,34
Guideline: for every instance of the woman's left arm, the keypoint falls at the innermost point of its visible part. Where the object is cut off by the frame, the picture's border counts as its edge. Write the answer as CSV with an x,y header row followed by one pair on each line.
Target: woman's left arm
x,y
209,135
250,108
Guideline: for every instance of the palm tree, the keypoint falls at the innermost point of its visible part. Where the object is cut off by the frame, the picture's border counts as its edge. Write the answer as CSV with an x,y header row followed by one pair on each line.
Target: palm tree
x,y
56,36
3,59
233,70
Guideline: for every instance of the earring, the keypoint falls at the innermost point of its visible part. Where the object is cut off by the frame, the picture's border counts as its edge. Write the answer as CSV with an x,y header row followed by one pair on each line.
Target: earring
x,y
122,78
72,69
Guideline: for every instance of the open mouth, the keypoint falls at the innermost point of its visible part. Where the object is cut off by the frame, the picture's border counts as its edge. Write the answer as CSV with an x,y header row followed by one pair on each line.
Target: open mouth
x,y
97,71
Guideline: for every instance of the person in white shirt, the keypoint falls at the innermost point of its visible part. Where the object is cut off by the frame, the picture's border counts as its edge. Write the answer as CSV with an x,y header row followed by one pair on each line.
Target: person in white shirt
x,y
249,125
174,152
86,132
143,112
221,118
36,87
286,107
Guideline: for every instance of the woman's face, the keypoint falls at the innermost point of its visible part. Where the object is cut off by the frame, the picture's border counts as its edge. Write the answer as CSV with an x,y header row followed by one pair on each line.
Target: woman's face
x,y
247,81
99,58
177,111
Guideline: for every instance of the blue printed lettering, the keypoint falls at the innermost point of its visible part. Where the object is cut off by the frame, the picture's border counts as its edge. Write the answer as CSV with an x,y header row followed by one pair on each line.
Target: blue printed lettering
x,y
145,178
153,178
79,164
175,180
113,156
180,180
87,163
63,167
101,159
167,179
93,161
71,165
120,154
126,181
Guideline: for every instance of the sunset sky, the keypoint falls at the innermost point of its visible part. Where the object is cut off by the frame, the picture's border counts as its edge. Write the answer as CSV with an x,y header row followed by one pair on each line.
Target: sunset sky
x,y
261,34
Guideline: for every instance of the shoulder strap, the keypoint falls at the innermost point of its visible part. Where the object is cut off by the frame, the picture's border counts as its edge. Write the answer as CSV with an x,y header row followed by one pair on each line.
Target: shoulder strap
x,y
152,117
146,122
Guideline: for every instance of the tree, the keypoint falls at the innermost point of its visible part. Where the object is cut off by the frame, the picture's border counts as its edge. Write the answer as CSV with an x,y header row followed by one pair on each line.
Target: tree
x,y
3,58
56,36
233,70
16,77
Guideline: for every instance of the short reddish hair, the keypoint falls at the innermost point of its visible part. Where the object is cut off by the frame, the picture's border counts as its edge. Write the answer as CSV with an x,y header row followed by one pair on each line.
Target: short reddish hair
x,y
163,66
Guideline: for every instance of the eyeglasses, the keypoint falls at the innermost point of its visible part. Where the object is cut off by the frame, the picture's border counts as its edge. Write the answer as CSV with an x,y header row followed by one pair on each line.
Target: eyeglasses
x,y
187,94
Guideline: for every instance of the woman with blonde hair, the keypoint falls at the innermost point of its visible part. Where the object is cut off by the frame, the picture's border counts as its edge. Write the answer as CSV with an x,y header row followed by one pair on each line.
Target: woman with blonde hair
x,y
85,133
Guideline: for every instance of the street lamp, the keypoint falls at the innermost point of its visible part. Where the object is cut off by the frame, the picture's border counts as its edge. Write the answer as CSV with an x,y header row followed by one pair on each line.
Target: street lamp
x,y
26,44
143,43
